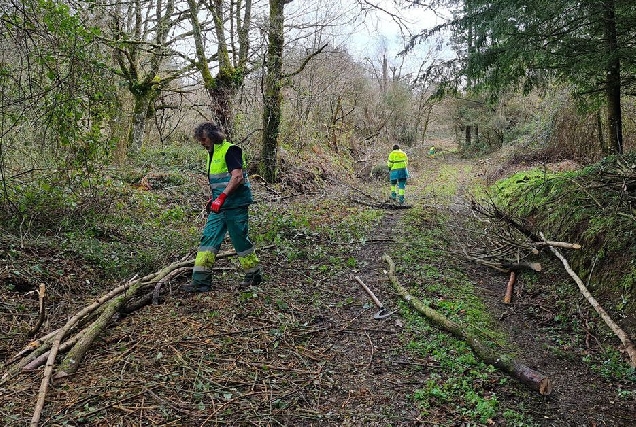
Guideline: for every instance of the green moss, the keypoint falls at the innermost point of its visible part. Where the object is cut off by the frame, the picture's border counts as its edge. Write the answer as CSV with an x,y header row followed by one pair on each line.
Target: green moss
x,y
581,207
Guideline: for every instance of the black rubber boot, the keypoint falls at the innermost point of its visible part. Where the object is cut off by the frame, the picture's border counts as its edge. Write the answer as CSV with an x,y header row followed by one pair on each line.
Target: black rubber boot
x,y
252,279
192,289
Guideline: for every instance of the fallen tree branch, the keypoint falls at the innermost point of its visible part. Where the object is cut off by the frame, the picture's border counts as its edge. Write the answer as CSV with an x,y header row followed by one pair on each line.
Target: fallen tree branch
x,y
157,289
41,359
42,311
497,213
35,353
42,345
380,205
48,371
50,362
535,380
558,244
629,345
75,355
70,363
505,267
105,308
510,287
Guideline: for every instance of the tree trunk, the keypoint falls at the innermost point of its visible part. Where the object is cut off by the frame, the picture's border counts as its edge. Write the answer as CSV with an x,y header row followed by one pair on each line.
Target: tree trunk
x,y
599,129
140,67
223,88
336,115
613,80
385,76
73,358
272,97
143,98
222,109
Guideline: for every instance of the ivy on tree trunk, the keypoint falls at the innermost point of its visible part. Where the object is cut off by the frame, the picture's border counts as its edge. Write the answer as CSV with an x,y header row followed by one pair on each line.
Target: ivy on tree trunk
x,y
272,98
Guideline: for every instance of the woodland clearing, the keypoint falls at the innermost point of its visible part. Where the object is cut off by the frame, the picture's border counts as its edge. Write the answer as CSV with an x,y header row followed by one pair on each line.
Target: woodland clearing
x,y
304,348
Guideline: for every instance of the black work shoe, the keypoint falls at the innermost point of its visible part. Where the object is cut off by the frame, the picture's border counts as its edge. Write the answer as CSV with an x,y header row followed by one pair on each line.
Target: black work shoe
x,y
192,289
252,279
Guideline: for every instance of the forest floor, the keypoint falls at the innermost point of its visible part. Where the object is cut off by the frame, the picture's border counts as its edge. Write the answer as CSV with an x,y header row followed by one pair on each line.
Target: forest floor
x,y
303,348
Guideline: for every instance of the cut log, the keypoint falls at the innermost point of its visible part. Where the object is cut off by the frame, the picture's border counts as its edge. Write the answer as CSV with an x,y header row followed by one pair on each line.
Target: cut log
x,y
509,288
524,374
533,379
627,342
558,244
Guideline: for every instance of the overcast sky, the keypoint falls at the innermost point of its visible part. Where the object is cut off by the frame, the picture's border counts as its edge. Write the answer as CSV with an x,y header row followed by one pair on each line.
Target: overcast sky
x,y
381,31
373,33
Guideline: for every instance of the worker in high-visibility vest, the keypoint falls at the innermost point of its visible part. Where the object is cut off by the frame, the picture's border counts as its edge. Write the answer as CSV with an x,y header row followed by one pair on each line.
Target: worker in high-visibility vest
x,y
398,173
231,196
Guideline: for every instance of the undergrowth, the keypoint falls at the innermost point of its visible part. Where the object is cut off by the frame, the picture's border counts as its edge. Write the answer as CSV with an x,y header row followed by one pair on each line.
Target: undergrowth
x,y
136,217
593,207
124,220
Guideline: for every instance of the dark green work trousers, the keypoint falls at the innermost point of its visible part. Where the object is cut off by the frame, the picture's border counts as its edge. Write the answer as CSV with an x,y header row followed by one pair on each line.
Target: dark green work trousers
x,y
234,222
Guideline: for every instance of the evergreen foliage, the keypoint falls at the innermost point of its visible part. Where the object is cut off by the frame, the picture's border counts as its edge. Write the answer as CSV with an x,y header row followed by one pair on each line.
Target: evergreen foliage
x,y
511,42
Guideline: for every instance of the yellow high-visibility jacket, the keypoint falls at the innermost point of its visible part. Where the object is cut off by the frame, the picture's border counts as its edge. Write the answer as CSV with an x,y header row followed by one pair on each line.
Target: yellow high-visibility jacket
x,y
398,162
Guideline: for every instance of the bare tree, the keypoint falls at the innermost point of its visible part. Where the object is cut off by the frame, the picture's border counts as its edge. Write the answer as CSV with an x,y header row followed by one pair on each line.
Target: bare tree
x,y
141,42
231,22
